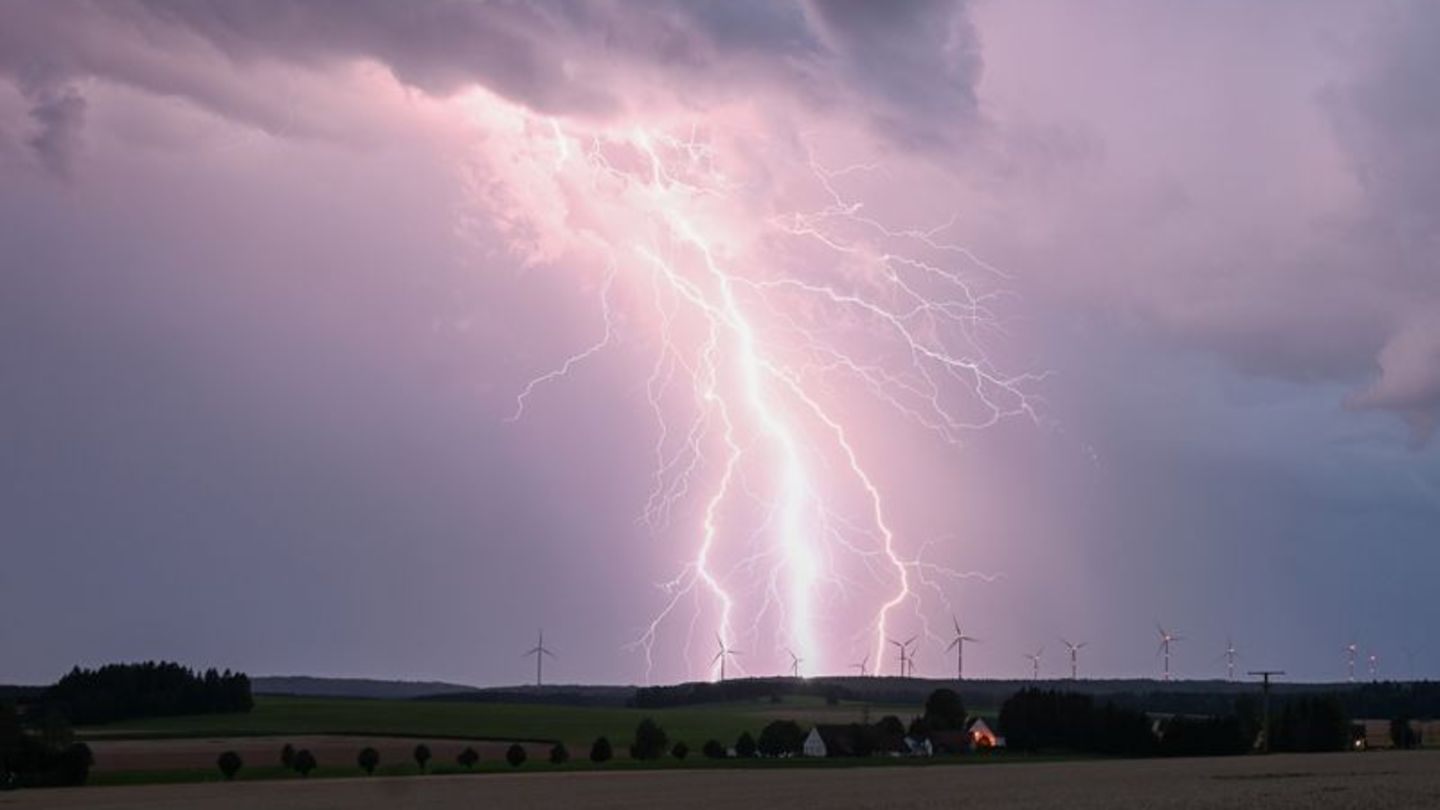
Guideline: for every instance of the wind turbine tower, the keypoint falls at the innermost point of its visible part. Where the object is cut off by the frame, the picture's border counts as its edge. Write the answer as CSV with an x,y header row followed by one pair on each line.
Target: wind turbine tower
x,y
794,663
864,663
1230,657
1166,639
1350,650
725,652
1035,663
904,648
1074,657
958,645
539,651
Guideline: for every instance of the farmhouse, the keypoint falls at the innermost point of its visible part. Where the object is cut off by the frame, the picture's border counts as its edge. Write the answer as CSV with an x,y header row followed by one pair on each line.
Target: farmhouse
x,y
981,737
830,741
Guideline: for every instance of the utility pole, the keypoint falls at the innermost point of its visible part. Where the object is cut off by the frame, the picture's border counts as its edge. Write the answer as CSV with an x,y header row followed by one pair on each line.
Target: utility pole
x,y
1265,706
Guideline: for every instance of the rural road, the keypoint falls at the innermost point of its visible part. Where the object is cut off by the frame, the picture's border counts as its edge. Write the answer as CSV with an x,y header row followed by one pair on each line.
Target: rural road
x,y
1308,781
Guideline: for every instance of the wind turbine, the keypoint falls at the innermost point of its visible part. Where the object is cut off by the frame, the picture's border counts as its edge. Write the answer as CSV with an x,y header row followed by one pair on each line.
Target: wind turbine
x,y
1350,650
864,662
1165,641
904,647
539,651
794,663
1374,661
1074,655
1230,655
1035,662
725,652
958,645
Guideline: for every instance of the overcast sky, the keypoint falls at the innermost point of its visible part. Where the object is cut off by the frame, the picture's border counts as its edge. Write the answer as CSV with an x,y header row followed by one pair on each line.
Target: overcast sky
x,y
272,276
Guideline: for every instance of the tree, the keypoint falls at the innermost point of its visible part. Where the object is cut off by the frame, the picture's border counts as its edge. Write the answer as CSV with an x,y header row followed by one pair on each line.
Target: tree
x,y
287,756
422,756
600,751
1401,734
745,746
368,759
305,762
468,757
890,726
650,740
75,763
945,711
515,755
229,764
680,750
713,749
919,728
781,738
559,754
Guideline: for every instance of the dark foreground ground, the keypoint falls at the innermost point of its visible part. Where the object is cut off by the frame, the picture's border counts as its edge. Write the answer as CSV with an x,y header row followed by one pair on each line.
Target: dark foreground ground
x,y
1309,781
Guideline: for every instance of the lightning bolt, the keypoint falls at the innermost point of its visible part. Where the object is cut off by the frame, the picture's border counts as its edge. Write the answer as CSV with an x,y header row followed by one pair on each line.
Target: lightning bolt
x,y
765,327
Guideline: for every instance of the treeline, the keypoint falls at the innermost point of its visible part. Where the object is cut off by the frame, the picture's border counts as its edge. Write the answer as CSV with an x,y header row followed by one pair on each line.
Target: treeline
x,y
689,694
1388,699
1035,720
151,689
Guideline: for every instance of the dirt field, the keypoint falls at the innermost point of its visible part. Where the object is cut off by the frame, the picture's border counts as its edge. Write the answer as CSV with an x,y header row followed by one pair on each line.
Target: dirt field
x,y
331,751
1307,781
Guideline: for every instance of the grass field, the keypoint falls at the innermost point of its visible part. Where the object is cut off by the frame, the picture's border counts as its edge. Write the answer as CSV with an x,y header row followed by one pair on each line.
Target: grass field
x,y
577,727
1408,779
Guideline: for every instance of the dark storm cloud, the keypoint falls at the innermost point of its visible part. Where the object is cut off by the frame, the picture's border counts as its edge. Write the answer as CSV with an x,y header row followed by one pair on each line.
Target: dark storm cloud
x,y
1387,119
59,110
921,57
912,66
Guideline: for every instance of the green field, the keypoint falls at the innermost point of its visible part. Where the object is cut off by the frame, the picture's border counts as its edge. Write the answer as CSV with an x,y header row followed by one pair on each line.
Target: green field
x,y
577,727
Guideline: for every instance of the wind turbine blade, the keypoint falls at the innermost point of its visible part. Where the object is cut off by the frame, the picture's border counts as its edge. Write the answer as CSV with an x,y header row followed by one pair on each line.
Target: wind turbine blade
x,y
717,656
952,644
956,621
910,640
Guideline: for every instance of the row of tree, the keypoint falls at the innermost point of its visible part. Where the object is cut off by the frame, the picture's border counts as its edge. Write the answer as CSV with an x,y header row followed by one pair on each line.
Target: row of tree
x,y
1037,719
150,689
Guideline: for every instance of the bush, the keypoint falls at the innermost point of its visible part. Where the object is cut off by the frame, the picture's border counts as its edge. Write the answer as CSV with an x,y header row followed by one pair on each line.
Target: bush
x,y
468,757
680,751
650,740
229,764
368,759
559,754
515,755
780,738
287,756
305,762
600,751
422,756
713,750
745,746
75,762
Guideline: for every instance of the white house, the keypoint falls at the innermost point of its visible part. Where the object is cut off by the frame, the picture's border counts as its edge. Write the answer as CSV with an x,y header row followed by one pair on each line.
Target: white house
x,y
814,744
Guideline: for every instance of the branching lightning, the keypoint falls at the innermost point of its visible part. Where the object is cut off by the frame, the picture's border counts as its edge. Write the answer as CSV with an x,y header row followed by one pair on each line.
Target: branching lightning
x,y
768,328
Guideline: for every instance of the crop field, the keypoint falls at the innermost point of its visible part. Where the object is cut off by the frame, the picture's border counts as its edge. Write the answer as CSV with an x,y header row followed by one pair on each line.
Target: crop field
x,y
1396,779
577,727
